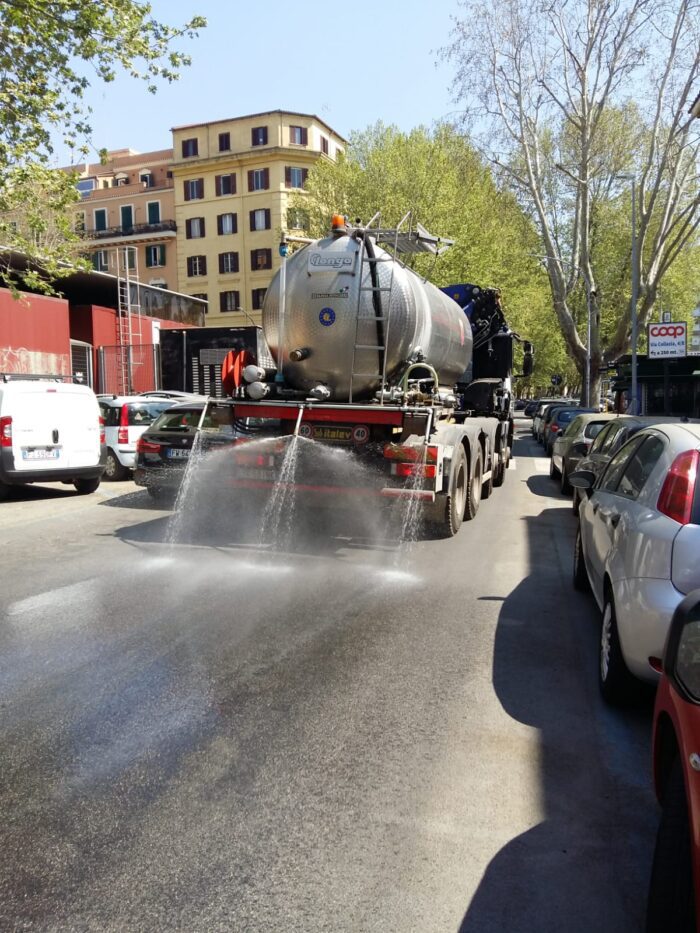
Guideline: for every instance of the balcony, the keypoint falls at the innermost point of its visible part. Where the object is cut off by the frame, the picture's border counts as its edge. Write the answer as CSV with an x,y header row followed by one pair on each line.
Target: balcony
x,y
165,227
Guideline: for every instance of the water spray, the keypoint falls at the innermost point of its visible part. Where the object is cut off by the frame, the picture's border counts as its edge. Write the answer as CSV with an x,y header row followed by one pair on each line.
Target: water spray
x,y
299,417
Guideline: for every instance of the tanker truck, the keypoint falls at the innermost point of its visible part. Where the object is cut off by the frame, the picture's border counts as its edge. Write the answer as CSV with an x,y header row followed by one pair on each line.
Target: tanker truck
x,y
414,380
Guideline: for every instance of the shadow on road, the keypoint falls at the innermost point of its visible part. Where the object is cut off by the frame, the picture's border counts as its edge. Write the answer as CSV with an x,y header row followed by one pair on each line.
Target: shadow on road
x,y
585,867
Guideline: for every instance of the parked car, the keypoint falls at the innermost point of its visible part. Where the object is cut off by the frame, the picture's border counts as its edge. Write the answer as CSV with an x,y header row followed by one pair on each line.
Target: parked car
x,y
561,418
573,444
674,888
49,432
531,408
126,417
537,414
175,394
546,418
163,450
609,441
637,548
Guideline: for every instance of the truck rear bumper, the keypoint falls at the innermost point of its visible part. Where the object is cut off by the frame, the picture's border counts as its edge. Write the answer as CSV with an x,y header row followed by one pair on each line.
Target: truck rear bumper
x,y
352,492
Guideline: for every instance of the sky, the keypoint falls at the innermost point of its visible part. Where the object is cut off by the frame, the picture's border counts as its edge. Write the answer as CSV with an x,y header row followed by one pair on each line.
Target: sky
x,y
350,65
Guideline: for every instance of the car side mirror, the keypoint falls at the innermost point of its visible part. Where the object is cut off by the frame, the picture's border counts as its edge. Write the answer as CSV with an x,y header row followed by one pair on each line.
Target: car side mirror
x,y
682,652
583,479
528,364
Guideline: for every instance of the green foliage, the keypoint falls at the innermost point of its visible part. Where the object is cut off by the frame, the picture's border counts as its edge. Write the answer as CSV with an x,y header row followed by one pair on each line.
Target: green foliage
x,y
438,176
47,49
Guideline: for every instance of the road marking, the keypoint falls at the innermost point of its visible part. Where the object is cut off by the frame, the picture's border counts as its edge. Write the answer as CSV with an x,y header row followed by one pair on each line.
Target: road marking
x,y
513,464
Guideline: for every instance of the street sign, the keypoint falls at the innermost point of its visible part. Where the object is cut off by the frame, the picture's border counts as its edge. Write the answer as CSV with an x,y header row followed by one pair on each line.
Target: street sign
x,y
556,380
667,341
665,317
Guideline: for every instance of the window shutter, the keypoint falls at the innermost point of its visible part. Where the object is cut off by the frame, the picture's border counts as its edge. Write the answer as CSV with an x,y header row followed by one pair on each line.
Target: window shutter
x,y
266,178
252,220
201,226
251,181
268,258
304,136
200,187
235,265
253,254
161,255
189,265
220,224
287,177
187,191
188,229
304,174
267,218
233,183
234,222
203,265
221,266
149,257
217,185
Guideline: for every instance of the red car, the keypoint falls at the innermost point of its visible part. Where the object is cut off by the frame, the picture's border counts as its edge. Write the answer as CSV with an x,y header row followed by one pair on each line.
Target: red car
x,y
674,890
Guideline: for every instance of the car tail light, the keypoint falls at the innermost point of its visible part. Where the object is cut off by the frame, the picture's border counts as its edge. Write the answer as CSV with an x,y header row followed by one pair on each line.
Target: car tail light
x,y
678,490
147,447
123,432
554,428
103,436
6,431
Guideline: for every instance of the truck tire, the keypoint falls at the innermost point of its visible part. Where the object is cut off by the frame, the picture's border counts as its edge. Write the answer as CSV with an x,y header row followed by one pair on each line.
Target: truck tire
x,y
474,488
457,498
487,484
499,473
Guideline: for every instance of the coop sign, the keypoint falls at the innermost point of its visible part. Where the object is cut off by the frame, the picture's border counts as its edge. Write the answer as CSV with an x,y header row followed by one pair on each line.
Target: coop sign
x,y
667,340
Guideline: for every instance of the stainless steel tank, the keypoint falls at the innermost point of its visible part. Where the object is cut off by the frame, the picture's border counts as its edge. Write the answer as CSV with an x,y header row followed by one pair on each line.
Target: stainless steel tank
x,y
329,309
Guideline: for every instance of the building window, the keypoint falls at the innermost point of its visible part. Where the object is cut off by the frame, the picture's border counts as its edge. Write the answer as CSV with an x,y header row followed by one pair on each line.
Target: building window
x,y
259,136
298,135
225,184
79,226
258,295
194,189
153,212
100,219
194,228
190,148
196,265
100,260
295,177
229,301
147,179
126,212
228,263
324,145
260,259
259,179
226,223
204,297
224,142
260,220
85,186
155,256
297,219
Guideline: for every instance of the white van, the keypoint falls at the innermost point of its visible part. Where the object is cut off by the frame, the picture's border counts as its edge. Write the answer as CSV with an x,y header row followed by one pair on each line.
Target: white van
x,y
49,432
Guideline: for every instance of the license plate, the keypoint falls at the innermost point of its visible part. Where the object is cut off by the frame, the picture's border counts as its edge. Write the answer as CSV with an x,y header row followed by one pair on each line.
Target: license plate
x,y
40,453
340,435
175,454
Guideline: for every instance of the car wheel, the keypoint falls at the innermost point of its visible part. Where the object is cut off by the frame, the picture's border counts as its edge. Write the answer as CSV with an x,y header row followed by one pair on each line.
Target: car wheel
x,y
670,904
581,581
566,486
617,685
86,486
553,472
114,471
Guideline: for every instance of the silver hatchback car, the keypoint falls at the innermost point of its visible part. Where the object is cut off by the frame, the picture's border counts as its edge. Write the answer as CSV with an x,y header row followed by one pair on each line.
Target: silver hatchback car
x,y
638,548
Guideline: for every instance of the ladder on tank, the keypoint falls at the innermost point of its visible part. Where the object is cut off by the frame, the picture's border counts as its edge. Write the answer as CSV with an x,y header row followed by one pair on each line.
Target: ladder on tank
x,y
129,318
371,264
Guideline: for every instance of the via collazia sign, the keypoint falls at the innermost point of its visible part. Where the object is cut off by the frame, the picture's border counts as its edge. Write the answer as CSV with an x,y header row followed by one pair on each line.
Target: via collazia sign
x,y
667,340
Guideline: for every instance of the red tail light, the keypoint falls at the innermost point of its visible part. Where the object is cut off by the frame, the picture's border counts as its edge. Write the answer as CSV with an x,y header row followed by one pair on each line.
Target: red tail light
x,y
554,428
103,436
123,432
678,490
146,447
408,454
6,431
427,470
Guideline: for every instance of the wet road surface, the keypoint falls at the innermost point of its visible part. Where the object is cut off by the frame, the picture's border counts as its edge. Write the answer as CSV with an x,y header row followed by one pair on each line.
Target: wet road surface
x,y
348,737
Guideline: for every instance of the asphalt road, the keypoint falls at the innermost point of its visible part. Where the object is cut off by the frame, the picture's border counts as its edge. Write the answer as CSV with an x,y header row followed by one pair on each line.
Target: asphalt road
x,y
350,735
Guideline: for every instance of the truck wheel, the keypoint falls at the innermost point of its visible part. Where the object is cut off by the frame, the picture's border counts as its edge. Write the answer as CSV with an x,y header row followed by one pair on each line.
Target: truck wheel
x,y
474,488
86,486
487,485
457,498
114,471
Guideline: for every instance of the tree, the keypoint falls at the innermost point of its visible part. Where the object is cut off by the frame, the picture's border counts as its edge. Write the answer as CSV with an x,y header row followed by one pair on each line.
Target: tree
x,y
47,48
580,97
443,181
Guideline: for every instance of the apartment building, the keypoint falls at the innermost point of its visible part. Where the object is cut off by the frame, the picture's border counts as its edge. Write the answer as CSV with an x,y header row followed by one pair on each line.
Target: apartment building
x,y
233,179
129,201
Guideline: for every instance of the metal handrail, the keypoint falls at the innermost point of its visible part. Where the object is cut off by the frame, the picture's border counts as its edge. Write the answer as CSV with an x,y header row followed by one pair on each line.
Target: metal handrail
x,y
163,226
